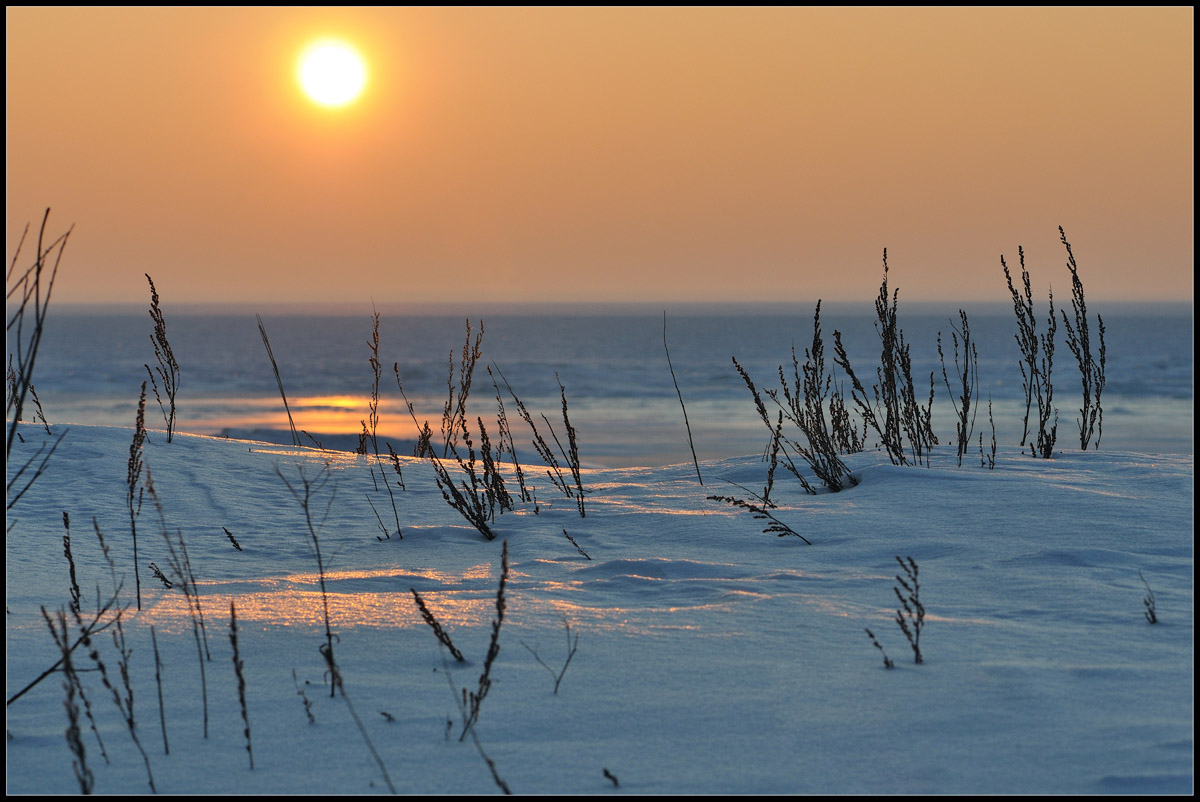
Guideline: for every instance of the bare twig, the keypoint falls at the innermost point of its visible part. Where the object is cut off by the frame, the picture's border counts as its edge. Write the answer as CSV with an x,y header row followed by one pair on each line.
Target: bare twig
x,y
238,669
679,392
278,381
441,634
572,647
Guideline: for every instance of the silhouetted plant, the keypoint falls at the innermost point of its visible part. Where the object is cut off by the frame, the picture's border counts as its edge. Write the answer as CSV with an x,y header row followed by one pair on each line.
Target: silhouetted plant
x,y
14,387
892,409
442,636
573,489
571,453
162,710
238,670
454,415
1149,601
73,688
475,698
262,329
396,467
160,576
679,392
86,630
306,492
506,443
887,661
846,437
495,490
75,593
469,497
1047,432
469,701
803,404
572,647
124,700
911,615
180,564
482,491
133,494
303,698
1091,415
29,296
988,459
966,371
760,512
574,543
168,368
1035,369
376,372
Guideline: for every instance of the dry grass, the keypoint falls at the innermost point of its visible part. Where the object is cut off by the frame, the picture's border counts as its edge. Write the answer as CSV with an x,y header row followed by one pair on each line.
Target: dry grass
x,y
262,329
966,372
1091,369
911,615
1035,369
167,368
803,403
892,409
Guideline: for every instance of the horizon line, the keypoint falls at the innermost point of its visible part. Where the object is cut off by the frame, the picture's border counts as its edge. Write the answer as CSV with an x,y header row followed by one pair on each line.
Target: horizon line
x,y
438,308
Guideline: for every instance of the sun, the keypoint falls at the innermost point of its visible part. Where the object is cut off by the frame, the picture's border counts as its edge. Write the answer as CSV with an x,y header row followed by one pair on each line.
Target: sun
x,y
331,73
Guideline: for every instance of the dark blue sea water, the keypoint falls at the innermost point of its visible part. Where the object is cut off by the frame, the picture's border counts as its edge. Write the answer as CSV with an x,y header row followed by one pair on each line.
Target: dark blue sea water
x,y
610,360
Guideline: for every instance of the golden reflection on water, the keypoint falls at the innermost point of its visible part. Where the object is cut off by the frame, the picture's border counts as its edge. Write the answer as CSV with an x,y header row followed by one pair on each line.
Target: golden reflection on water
x,y
329,414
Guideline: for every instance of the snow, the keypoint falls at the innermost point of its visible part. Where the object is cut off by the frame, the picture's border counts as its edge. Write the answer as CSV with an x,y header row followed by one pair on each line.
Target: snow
x,y
712,658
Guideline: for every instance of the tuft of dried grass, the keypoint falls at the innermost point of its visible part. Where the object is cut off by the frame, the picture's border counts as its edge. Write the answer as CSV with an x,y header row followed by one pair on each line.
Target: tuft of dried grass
x,y
966,371
1035,370
29,292
167,368
911,615
73,688
803,403
133,476
371,432
1091,371
892,409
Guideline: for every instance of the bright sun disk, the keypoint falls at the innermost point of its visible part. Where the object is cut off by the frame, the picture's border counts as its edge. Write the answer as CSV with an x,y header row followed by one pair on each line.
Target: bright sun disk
x,y
332,73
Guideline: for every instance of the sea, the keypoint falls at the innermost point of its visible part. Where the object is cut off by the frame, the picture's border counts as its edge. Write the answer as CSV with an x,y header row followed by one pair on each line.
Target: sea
x,y
636,378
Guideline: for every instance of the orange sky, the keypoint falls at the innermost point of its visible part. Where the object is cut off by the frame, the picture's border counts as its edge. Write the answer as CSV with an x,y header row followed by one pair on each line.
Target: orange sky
x,y
605,154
